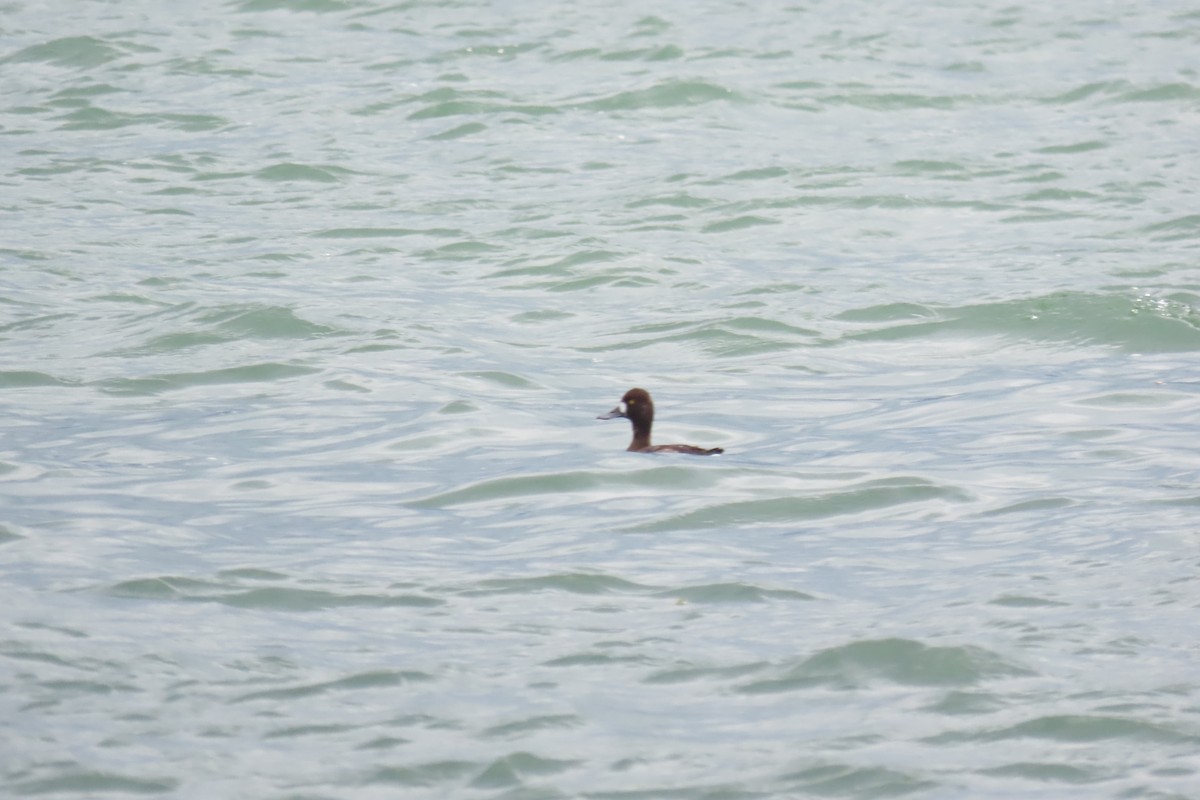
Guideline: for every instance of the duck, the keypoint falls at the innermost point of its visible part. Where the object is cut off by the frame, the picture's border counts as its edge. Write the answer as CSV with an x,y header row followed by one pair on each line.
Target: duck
x,y
637,407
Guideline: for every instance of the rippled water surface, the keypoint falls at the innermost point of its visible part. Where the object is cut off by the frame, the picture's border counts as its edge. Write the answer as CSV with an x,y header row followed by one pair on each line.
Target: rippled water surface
x,y
307,309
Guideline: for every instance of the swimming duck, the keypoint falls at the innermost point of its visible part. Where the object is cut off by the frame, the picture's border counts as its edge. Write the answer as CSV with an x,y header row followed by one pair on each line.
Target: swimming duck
x,y
637,407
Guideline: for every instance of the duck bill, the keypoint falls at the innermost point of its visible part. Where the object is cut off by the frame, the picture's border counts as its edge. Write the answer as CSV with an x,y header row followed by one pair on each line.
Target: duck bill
x,y
614,414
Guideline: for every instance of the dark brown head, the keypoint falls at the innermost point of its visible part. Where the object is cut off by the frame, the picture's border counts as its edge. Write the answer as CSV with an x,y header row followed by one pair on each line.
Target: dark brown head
x,y
637,407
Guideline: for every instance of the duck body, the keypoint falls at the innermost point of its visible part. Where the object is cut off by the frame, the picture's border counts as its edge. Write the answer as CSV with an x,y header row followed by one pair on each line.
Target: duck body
x,y
637,407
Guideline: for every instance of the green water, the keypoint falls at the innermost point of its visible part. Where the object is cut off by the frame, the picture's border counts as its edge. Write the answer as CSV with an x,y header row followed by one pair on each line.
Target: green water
x,y
307,310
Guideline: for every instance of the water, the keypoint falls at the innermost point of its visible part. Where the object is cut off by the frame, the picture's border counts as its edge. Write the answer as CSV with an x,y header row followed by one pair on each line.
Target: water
x,y
308,308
